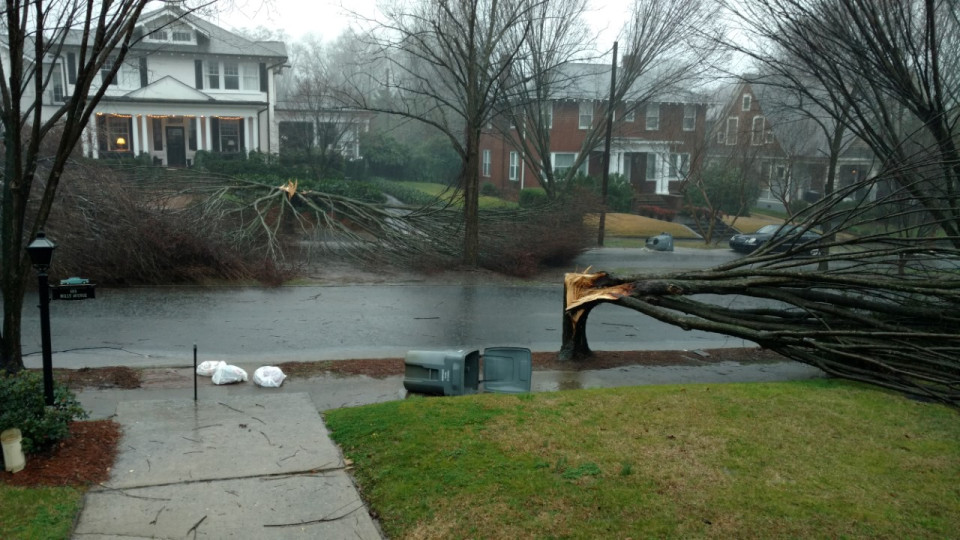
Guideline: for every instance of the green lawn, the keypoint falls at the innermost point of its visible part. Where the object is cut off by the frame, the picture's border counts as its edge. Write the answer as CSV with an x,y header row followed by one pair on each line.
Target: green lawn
x,y
822,459
441,190
38,513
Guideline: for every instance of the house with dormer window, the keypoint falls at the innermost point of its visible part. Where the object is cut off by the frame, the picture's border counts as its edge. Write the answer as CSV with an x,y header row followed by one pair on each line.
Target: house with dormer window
x,y
186,85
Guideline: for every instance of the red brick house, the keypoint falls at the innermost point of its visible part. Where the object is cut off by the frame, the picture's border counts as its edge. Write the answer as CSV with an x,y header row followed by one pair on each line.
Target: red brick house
x,y
655,142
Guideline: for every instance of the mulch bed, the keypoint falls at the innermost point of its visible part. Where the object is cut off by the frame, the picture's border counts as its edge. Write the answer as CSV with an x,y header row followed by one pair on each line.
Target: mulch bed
x,y
83,458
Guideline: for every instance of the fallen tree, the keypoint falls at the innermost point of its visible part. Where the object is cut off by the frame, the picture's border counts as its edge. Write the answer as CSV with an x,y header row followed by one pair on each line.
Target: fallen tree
x,y
886,310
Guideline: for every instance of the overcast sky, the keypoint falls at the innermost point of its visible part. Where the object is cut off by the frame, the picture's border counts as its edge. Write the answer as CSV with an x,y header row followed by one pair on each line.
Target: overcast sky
x,y
328,18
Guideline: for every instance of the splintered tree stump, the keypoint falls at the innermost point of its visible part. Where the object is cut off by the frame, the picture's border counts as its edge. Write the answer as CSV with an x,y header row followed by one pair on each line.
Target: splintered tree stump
x,y
581,293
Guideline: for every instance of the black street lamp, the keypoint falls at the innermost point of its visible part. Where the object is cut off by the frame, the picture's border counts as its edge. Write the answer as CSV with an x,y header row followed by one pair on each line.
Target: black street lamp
x,y
41,252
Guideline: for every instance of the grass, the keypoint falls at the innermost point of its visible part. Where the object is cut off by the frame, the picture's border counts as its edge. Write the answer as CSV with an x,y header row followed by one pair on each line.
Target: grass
x,y
751,224
632,226
819,459
436,190
38,512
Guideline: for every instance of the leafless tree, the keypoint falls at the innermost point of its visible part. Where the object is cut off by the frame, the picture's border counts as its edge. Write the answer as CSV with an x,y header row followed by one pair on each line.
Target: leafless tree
x,y
666,46
447,64
885,310
38,137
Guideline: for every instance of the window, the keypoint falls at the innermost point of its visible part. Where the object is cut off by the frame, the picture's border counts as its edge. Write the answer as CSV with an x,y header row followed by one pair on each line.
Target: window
x,y
157,33
105,77
732,125
514,165
768,136
679,165
57,85
192,137
653,116
756,135
486,163
157,134
231,76
213,75
251,77
720,135
182,35
745,102
229,135
586,115
118,134
548,114
781,173
563,162
651,166
689,117
631,113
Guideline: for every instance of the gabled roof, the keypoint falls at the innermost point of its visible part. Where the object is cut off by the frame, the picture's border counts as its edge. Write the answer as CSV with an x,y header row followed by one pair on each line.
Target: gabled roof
x,y
582,81
216,40
168,89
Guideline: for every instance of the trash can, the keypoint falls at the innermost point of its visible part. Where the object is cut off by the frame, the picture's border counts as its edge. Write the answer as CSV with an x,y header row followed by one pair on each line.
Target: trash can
x,y
507,370
13,459
442,373
660,242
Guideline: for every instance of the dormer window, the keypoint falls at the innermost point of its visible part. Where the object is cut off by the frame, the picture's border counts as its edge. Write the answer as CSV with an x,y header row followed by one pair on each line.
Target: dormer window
x,y
171,34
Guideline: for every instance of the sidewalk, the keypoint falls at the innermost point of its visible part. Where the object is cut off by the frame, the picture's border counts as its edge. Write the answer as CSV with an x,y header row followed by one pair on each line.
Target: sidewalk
x,y
241,466
250,462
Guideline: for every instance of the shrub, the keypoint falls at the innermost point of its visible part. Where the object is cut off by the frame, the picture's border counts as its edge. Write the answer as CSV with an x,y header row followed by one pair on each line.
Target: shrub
x,y
532,198
22,406
489,190
522,242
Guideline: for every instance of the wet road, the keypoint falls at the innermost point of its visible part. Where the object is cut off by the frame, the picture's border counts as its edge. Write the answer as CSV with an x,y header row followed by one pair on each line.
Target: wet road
x,y
158,326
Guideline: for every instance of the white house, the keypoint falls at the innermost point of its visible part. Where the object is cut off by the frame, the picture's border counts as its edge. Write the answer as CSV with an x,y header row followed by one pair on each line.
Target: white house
x,y
186,85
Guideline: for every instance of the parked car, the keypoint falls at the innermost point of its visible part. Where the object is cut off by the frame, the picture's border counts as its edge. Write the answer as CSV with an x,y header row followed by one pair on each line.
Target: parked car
x,y
787,237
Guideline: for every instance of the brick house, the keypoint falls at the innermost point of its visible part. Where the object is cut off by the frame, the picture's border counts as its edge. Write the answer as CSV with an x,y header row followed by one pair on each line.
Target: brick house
x,y
655,143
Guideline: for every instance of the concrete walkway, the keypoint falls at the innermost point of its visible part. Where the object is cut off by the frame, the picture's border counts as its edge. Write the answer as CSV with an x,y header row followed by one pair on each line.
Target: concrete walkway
x,y
235,466
251,462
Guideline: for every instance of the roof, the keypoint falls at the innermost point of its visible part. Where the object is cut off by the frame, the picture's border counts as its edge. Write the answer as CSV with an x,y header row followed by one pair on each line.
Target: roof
x,y
218,41
579,81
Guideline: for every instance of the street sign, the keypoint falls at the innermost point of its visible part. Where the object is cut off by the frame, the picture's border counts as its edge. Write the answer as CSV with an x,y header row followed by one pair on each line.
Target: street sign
x,y
74,292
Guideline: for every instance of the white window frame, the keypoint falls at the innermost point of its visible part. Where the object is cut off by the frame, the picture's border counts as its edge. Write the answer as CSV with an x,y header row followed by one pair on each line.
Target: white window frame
x,y
178,33
230,124
548,113
631,114
757,133
689,118
745,102
231,74
720,136
213,73
116,127
514,166
679,164
562,170
485,163
768,135
652,120
585,118
733,122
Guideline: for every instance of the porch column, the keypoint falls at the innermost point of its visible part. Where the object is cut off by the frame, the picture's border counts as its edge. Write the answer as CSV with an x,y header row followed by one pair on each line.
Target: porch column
x,y
199,135
145,129
248,134
208,140
135,143
90,146
256,132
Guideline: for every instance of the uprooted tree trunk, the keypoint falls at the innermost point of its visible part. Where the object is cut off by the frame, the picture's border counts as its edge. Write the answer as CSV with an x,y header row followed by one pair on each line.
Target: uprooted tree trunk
x,y
896,333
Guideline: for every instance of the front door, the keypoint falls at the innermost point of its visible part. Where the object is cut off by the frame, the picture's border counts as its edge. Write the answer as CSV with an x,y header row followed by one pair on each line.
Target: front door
x,y
176,147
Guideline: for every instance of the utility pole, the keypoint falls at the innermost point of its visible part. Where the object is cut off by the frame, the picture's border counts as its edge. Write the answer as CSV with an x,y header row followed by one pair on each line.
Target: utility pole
x,y
606,149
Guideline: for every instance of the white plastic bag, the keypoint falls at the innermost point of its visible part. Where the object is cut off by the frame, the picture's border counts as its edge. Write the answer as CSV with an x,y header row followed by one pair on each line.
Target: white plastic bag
x,y
207,368
268,377
227,374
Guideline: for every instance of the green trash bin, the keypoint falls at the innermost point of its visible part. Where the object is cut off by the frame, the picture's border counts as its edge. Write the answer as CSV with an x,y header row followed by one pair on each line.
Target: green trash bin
x,y
442,373
507,370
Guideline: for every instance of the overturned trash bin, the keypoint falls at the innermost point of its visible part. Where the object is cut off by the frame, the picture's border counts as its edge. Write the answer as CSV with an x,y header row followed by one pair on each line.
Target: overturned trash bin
x,y
660,242
457,372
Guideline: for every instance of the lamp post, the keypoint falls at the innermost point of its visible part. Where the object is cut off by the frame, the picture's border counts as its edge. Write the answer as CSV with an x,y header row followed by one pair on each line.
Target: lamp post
x,y
41,252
